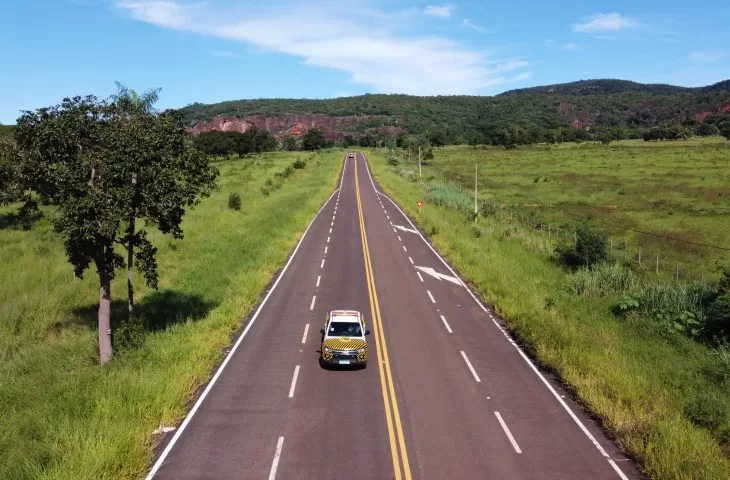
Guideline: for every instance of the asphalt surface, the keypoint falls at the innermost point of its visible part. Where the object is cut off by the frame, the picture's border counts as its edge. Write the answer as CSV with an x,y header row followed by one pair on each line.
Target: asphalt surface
x,y
446,394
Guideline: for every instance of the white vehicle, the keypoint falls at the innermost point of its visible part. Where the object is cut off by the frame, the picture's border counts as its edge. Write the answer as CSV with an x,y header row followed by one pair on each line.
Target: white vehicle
x,y
350,155
343,339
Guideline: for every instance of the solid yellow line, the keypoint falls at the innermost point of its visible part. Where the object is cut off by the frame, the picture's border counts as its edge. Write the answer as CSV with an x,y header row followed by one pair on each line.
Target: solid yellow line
x,y
376,330
381,333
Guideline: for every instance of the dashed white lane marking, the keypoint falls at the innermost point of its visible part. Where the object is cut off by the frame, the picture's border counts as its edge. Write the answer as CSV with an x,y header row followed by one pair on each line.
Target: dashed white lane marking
x,y
399,239
294,382
325,250
322,264
394,230
419,276
328,239
304,336
430,296
508,433
471,369
404,248
330,231
410,260
332,224
319,277
311,305
277,455
446,324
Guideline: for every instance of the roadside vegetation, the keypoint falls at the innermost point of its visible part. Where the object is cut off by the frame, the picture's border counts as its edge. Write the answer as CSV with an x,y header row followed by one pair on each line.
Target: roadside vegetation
x,y
646,353
64,416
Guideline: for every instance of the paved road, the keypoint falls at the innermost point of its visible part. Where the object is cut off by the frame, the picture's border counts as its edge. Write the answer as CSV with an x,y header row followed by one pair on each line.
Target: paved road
x,y
447,393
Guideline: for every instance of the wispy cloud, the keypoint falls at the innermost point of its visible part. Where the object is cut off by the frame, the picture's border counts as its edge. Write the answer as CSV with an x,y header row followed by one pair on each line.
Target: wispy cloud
x,y
443,11
473,26
571,46
707,56
335,39
605,22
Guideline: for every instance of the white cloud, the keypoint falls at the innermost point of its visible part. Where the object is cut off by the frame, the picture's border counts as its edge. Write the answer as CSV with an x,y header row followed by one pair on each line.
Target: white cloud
x,y
443,11
387,62
571,46
706,56
469,24
605,22
549,41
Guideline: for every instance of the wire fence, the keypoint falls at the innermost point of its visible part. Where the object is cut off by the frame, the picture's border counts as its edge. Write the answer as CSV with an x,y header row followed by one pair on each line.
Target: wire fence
x,y
652,254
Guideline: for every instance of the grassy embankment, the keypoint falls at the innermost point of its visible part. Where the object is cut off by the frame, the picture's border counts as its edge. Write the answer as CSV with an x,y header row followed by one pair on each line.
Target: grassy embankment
x,y
63,416
663,396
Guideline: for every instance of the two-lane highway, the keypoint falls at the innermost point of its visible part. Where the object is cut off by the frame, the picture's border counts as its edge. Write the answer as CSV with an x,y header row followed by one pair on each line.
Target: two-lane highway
x,y
446,393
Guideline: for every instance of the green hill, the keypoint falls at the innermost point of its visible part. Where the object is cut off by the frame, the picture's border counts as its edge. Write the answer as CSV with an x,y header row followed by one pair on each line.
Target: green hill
x,y
536,113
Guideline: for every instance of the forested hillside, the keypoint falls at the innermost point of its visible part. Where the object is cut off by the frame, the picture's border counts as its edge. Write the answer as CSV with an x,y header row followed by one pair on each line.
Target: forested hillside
x,y
579,110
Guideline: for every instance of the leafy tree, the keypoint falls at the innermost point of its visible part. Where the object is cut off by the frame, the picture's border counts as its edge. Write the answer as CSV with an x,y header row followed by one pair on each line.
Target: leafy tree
x,y
107,164
10,189
288,143
437,138
724,129
706,130
313,140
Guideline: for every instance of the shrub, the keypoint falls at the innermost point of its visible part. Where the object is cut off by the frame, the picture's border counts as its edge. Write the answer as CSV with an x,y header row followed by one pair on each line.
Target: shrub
x,y
589,249
234,201
393,161
299,164
718,318
603,280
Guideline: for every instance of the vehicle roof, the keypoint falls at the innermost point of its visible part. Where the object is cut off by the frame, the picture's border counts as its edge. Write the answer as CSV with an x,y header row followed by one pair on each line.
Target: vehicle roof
x,y
344,316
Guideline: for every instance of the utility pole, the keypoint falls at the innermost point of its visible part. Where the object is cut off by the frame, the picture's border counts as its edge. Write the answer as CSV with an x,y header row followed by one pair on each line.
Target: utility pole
x,y
476,193
419,161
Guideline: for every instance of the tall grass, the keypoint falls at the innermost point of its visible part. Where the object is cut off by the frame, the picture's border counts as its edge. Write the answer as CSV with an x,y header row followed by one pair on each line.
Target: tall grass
x,y
603,280
63,416
662,400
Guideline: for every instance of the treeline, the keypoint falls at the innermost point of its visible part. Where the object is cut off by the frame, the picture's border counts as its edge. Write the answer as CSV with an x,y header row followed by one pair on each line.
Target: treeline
x,y
217,143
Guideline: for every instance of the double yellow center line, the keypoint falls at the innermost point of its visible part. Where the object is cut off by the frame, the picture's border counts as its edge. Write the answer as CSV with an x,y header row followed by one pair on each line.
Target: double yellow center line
x,y
398,449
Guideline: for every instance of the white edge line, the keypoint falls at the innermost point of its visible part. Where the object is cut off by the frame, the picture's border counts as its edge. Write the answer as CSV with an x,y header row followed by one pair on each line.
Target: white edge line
x,y
184,424
508,433
430,296
522,354
446,324
471,368
277,456
306,330
618,470
294,382
311,305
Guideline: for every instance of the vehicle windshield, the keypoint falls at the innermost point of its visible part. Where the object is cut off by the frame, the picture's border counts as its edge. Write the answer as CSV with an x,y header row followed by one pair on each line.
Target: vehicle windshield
x,y
344,329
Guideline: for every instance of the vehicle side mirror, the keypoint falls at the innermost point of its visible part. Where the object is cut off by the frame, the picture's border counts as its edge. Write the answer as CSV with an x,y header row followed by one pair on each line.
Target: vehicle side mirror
x,y
321,330
367,331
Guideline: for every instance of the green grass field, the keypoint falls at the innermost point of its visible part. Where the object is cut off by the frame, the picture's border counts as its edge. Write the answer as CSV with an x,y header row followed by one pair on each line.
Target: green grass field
x,y
679,190
63,416
662,396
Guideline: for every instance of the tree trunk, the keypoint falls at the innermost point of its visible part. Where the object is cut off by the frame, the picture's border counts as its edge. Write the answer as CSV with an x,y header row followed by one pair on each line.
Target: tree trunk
x,y
130,256
105,327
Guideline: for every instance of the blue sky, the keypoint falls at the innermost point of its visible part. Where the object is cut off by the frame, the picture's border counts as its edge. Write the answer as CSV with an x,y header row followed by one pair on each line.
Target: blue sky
x,y
215,50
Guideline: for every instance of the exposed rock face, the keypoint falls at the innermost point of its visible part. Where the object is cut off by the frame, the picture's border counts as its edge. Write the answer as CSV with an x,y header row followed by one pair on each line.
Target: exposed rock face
x,y
334,128
721,110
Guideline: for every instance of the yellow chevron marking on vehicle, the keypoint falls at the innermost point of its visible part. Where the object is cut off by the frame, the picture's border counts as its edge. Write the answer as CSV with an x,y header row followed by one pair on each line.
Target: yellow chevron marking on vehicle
x,y
345,343
392,416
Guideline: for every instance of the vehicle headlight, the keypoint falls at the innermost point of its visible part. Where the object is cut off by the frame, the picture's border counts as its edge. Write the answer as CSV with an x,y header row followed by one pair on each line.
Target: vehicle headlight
x,y
327,350
362,350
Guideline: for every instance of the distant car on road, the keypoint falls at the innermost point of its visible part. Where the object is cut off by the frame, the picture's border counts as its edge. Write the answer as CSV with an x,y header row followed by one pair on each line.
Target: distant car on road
x,y
350,155
343,339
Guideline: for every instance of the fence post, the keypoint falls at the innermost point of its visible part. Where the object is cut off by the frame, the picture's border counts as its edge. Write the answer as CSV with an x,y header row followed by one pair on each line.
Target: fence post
x,y
626,249
639,254
549,232
657,263
610,241
677,272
